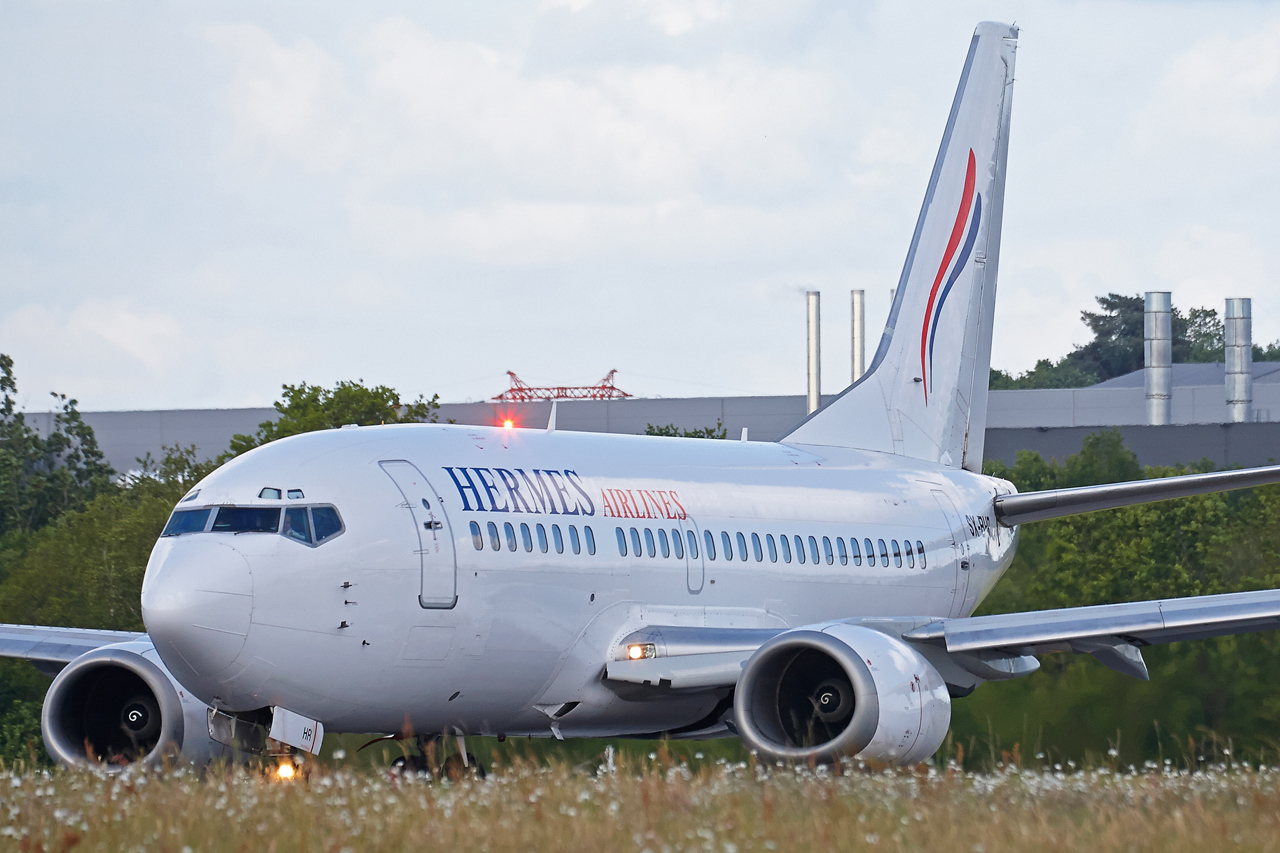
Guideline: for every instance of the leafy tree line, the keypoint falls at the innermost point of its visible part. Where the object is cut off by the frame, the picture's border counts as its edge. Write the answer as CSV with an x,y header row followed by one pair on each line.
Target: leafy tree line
x,y
1208,690
1116,348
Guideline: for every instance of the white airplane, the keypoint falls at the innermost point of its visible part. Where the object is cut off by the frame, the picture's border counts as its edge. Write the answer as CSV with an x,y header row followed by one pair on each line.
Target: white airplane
x,y
811,596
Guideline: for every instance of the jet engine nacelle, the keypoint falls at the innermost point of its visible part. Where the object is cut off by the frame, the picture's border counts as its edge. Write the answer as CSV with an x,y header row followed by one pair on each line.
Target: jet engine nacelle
x,y
820,693
118,705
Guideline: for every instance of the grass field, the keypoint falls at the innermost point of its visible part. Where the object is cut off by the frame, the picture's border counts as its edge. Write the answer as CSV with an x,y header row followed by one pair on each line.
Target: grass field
x,y
655,804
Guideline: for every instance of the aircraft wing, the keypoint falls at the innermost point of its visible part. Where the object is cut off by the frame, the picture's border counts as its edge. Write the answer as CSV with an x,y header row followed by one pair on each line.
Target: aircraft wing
x,y
994,647
51,648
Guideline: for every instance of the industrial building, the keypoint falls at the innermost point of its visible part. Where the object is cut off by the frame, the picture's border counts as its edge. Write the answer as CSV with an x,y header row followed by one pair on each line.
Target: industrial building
x,y
1168,413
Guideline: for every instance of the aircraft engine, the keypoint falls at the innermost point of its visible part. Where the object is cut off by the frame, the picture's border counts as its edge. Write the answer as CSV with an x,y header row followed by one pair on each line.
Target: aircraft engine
x,y
817,694
118,705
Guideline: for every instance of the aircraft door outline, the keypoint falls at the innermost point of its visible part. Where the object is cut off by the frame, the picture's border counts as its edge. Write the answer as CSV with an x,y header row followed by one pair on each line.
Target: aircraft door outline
x,y
959,549
695,567
437,554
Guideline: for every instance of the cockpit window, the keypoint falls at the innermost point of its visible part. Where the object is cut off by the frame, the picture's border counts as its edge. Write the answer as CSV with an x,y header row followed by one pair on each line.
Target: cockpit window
x,y
244,519
186,521
327,522
296,525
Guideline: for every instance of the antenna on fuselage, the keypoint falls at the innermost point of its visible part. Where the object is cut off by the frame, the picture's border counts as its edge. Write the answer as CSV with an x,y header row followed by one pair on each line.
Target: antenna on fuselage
x,y
551,421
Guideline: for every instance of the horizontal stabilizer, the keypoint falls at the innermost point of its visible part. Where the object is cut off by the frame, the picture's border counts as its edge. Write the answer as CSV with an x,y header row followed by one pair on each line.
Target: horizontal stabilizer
x,y
1056,503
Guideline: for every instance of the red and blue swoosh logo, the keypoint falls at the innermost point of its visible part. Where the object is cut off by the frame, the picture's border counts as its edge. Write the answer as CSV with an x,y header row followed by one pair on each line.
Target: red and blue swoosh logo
x,y
969,203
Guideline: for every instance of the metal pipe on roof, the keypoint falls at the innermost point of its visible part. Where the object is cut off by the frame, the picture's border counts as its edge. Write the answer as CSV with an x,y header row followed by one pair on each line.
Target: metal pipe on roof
x,y
859,334
1157,357
815,352
1238,337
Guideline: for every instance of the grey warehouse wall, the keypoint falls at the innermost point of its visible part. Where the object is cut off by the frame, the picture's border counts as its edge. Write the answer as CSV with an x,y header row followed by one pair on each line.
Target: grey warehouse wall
x,y
127,436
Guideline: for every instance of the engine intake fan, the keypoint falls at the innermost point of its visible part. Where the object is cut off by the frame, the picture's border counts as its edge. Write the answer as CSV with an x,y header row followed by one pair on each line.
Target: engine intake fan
x,y
817,694
112,706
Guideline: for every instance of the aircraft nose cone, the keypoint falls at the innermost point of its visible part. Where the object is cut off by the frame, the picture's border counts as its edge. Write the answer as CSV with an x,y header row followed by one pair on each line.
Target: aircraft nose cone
x,y
196,605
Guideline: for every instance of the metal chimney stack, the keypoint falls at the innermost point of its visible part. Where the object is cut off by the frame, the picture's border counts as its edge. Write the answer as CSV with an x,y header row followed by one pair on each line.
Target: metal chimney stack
x,y
815,352
1157,351
1238,329
859,334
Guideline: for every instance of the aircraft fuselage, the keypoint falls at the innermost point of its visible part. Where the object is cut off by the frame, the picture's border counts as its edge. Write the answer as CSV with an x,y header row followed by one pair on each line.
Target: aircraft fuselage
x,y
478,582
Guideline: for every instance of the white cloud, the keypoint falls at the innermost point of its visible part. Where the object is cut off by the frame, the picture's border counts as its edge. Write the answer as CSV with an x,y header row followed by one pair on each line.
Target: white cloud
x,y
1217,101
460,112
107,346
290,100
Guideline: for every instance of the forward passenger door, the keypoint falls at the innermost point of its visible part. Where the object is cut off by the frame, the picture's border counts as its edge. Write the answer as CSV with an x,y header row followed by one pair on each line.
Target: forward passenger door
x,y
432,539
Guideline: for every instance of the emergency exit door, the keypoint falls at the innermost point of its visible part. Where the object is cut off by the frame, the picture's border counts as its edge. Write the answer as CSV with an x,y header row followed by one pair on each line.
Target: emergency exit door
x,y
432,540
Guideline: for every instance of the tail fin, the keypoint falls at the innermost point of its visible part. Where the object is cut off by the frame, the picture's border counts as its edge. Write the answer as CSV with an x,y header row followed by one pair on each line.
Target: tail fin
x,y
925,393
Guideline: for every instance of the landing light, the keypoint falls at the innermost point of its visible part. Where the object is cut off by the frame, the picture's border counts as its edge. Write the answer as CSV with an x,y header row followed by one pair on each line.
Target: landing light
x,y
641,651
285,771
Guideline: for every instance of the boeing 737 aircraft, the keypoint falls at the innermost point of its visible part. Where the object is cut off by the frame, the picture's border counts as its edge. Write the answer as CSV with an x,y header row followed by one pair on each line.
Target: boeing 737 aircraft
x,y
811,596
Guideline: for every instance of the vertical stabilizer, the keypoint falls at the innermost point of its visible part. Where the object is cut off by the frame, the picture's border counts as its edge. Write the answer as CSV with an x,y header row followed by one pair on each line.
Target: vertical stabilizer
x,y
925,392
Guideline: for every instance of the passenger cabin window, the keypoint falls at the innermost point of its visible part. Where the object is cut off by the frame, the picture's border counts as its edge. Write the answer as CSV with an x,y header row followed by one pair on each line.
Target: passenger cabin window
x,y
678,543
742,547
897,554
573,540
622,542
693,544
557,538
727,545
710,542
786,548
920,551
648,543
884,553
800,551
911,557
854,553
525,537
826,549
296,525
542,538
635,542
871,552
591,539
511,535
755,547
663,545
477,538
813,550
773,549
186,521
246,519
844,555
494,542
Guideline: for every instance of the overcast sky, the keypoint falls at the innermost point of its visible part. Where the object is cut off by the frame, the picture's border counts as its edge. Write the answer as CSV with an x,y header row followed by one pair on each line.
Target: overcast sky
x,y
202,201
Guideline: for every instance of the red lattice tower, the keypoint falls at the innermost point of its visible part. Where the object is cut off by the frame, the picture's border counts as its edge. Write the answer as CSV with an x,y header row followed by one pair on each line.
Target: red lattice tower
x,y
521,392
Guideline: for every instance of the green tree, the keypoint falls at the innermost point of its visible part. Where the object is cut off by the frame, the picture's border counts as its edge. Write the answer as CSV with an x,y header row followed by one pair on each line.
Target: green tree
x,y
717,431
1200,545
42,477
1117,346
305,408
